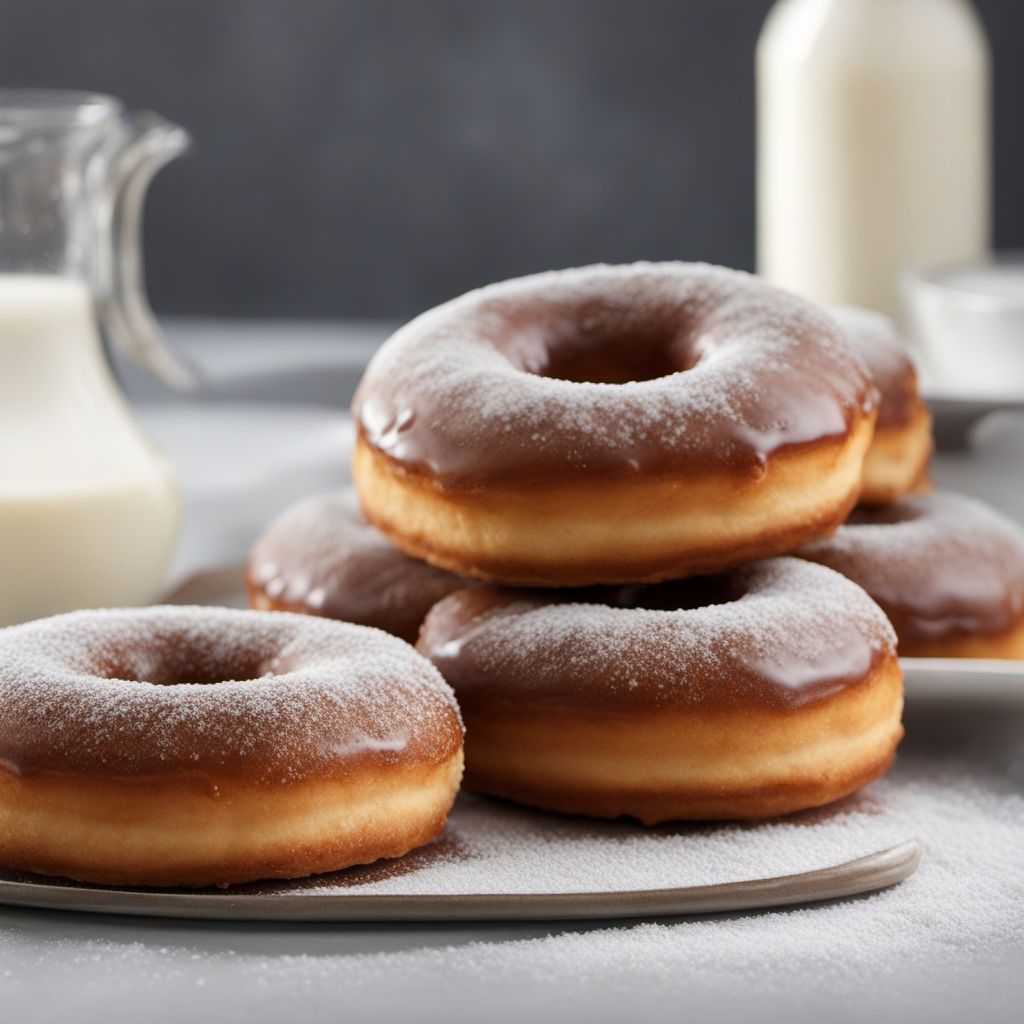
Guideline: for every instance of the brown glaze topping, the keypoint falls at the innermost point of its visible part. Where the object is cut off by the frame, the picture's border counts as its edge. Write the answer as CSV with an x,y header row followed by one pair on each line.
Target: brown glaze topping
x,y
771,635
649,368
210,692
940,565
875,338
321,557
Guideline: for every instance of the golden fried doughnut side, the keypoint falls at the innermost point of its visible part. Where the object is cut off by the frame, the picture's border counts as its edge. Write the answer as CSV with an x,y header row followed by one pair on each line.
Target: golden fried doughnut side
x,y
693,764
616,531
1008,645
218,830
897,461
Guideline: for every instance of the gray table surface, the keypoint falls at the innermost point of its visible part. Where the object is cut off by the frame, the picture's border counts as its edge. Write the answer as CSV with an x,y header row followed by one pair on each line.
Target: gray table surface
x,y
242,460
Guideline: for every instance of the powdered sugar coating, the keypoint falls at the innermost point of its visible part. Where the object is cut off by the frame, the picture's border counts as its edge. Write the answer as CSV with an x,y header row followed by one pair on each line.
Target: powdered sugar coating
x,y
498,847
778,633
305,696
940,564
460,392
321,557
876,339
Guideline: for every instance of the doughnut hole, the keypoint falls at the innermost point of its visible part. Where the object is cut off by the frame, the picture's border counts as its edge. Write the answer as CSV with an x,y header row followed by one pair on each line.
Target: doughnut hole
x,y
182,659
600,345
883,515
676,595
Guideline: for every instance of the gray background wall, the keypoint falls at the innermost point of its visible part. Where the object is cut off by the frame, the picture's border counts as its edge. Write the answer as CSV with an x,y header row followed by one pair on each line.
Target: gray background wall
x,y
372,157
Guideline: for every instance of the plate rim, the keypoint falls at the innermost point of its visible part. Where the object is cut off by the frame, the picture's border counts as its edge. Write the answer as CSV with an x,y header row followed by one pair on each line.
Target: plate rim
x,y
983,666
860,876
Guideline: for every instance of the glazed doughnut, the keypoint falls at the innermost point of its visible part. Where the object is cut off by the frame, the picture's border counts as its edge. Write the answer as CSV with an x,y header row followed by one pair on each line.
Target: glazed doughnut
x,y
612,425
199,746
768,689
321,557
897,461
947,570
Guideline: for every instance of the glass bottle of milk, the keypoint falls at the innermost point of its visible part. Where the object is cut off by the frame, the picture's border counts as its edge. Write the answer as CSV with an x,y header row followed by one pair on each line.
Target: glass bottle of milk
x,y
873,144
89,509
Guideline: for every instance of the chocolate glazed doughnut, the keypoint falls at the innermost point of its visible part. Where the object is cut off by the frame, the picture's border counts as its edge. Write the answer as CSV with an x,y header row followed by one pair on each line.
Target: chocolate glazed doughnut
x,y
897,461
202,746
321,557
947,570
768,689
612,425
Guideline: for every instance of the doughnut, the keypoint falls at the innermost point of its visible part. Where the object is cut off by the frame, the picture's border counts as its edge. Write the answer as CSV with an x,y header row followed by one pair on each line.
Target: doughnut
x,y
201,746
767,689
897,461
947,570
321,557
612,425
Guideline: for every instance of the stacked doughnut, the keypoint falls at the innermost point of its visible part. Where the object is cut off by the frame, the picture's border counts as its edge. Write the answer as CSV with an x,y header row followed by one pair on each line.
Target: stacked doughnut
x,y
653,527
582,491
947,569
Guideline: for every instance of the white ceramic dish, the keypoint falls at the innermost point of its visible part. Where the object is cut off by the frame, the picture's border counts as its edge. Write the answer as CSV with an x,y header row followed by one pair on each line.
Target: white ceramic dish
x,y
955,416
500,861
966,322
963,679
853,878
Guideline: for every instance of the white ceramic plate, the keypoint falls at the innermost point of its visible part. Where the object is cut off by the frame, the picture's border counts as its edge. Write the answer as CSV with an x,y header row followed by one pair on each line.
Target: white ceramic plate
x,y
295,901
963,679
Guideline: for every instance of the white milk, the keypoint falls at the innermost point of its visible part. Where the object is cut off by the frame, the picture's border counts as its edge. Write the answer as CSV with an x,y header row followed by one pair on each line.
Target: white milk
x,y
89,509
873,147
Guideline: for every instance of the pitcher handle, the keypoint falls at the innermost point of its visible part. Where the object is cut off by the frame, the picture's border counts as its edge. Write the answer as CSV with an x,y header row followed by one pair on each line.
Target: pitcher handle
x,y
144,144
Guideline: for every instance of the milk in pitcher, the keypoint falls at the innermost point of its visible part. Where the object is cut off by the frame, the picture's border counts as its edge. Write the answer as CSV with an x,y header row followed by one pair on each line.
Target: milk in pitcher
x,y
89,509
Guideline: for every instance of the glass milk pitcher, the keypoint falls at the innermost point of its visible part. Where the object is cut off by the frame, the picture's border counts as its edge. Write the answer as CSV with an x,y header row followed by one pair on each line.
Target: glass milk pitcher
x,y
89,509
